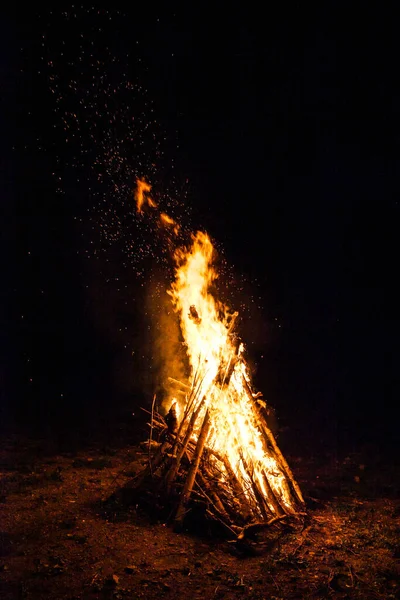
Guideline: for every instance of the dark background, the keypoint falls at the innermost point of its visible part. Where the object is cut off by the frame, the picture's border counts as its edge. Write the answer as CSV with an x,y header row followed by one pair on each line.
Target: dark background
x,y
288,134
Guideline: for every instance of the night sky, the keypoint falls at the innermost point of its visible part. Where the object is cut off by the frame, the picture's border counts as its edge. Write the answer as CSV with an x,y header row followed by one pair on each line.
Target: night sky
x,y
278,136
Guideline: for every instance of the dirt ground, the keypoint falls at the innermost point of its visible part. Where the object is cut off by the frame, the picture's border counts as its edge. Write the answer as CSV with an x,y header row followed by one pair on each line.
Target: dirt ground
x,y
58,541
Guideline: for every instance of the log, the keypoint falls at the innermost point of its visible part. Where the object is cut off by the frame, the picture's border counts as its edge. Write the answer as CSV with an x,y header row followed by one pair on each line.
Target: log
x,y
171,475
151,467
184,385
272,443
237,489
260,500
224,492
174,470
255,527
185,496
213,497
285,467
273,501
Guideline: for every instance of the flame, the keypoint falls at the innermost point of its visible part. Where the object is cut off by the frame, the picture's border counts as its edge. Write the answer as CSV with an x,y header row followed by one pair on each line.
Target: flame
x,y
168,221
220,390
219,371
140,197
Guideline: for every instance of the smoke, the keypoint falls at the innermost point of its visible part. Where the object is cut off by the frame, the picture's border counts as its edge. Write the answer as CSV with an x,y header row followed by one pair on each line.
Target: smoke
x,y
168,351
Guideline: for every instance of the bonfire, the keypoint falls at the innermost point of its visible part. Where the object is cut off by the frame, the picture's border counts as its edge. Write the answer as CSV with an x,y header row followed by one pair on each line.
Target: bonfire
x,y
213,448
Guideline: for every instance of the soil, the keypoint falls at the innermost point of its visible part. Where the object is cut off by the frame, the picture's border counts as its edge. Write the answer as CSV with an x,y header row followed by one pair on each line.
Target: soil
x,y
61,539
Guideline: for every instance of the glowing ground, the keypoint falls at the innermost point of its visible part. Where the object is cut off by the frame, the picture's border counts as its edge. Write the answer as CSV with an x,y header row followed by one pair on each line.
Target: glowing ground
x,y
58,542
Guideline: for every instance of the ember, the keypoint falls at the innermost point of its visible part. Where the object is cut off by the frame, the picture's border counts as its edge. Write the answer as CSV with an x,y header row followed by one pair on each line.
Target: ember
x,y
215,448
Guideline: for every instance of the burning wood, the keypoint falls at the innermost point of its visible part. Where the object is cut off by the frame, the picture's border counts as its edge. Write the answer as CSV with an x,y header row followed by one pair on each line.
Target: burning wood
x,y
215,449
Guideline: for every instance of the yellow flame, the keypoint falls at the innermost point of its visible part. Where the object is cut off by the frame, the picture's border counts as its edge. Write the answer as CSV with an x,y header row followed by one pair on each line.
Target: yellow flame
x,y
219,376
218,366
175,403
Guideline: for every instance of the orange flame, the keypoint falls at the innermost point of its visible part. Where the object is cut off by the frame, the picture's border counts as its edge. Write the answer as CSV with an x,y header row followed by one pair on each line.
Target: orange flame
x,y
140,197
168,221
219,369
219,378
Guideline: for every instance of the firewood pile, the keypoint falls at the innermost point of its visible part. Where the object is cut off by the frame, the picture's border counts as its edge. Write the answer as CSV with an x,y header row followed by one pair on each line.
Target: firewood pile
x,y
192,466
213,452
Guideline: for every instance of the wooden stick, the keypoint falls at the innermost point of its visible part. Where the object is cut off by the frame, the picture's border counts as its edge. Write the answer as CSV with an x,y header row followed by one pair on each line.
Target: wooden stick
x,y
258,526
190,403
286,469
231,528
184,385
213,497
174,469
156,463
151,432
237,489
268,433
273,501
185,496
156,416
259,496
